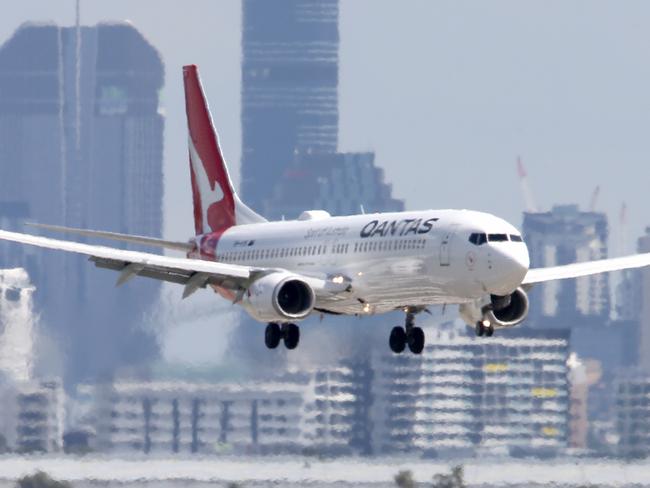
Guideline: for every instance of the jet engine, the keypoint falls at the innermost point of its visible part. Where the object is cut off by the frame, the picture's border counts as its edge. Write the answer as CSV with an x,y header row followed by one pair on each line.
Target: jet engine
x,y
279,297
500,312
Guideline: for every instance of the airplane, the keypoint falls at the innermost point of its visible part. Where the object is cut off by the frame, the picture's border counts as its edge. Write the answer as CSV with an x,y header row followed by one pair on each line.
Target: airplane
x,y
283,272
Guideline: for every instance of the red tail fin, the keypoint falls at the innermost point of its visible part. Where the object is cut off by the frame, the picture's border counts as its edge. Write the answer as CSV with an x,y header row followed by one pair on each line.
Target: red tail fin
x,y
214,196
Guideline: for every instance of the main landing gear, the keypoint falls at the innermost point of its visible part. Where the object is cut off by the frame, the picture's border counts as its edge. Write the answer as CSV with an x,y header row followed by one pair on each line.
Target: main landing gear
x,y
274,333
409,335
484,328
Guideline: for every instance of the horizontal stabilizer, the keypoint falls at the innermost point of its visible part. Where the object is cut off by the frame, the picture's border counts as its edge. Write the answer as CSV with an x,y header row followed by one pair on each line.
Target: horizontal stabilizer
x,y
114,236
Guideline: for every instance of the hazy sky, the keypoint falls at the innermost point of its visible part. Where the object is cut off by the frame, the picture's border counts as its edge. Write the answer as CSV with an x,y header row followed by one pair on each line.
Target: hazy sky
x,y
447,93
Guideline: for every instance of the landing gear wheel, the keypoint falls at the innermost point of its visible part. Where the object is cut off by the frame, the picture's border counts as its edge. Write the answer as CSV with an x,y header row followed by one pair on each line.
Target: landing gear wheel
x,y
291,335
415,338
397,340
272,335
479,329
484,330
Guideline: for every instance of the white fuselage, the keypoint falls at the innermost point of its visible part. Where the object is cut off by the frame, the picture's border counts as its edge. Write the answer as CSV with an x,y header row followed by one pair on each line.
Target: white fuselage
x,y
393,260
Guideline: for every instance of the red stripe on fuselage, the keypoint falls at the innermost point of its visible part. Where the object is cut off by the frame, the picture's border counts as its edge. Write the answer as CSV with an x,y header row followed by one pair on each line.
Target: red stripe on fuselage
x,y
207,250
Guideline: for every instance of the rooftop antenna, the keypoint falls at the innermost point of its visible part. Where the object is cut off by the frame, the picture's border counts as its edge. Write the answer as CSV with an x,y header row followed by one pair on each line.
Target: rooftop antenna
x,y
529,200
78,74
363,210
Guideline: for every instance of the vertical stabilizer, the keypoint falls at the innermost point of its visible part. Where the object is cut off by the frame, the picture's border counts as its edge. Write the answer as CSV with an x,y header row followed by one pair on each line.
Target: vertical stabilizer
x,y
216,204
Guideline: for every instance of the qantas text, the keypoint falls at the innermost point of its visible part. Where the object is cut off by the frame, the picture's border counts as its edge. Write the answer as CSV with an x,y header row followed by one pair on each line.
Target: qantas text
x,y
397,227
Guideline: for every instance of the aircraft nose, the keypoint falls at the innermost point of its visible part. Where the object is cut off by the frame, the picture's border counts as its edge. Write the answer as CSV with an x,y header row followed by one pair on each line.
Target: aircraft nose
x,y
519,260
512,264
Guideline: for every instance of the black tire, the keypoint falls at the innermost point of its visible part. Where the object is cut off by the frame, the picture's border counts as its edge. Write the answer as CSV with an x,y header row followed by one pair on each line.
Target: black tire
x,y
291,335
397,341
272,335
479,329
489,331
416,340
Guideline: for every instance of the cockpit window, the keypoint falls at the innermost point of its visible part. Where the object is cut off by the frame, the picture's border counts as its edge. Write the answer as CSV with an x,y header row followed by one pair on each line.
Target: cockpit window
x,y
516,238
478,238
497,237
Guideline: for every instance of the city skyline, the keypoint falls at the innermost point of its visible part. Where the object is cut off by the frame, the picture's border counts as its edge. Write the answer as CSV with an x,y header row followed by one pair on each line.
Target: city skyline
x,y
486,97
81,144
432,124
361,43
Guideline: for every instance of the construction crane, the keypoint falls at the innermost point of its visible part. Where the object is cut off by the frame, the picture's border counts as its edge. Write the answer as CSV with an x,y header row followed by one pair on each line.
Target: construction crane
x,y
594,199
529,201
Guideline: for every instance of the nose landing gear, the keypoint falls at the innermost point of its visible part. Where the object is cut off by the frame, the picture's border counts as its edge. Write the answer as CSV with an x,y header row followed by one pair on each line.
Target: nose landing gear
x,y
484,328
410,335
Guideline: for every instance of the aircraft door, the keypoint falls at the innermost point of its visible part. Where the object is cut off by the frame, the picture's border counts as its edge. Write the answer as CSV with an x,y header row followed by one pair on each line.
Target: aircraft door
x,y
445,247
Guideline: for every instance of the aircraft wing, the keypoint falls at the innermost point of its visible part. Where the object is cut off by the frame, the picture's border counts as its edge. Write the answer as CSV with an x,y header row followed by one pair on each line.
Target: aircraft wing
x,y
576,270
193,273
145,241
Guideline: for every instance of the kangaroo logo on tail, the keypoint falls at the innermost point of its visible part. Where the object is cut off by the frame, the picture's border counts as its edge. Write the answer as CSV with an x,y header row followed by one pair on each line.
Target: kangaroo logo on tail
x,y
214,201
209,195
216,205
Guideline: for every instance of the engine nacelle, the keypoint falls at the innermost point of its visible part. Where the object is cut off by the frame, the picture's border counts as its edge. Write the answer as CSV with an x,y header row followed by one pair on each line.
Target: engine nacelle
x,y
508,313
279,297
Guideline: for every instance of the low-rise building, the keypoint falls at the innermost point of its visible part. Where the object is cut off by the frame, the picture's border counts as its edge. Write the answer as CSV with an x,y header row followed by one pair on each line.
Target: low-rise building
x,y
509,392
175,417
633,413
33,416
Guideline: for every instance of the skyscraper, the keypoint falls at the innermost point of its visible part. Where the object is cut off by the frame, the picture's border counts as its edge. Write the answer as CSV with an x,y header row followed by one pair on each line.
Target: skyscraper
x,y
289,88
562,236
341,183
641,304
81,145
290,160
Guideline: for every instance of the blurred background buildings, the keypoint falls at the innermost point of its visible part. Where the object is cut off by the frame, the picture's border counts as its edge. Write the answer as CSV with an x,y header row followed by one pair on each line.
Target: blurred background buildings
x,y
81,137
81,146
